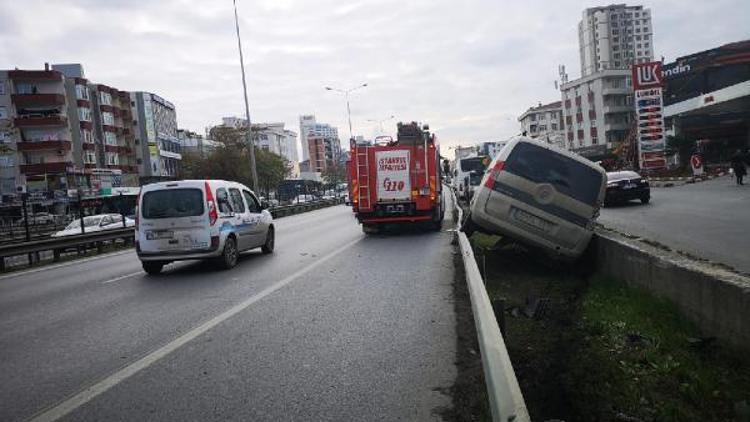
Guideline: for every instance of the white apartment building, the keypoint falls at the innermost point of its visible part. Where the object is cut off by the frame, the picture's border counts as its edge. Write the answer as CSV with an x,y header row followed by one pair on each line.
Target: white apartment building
x,y
598,111
614,37
270,137
309,126
544,122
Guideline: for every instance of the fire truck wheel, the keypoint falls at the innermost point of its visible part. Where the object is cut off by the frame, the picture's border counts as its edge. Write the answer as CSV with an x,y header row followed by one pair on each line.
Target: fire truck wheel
x,y
369,228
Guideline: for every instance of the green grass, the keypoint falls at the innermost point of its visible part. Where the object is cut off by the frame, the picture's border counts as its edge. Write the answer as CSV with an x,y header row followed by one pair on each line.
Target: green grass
x,y
641,358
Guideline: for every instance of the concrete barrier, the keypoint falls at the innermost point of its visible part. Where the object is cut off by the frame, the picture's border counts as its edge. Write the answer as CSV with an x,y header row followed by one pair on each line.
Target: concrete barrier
x,y
714,297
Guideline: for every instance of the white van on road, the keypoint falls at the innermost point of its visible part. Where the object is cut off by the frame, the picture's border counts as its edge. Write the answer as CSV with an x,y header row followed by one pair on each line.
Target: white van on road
x,y
539,195
199,219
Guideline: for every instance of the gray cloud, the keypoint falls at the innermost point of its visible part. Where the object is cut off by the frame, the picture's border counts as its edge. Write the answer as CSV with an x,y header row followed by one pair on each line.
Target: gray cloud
x,y
468,68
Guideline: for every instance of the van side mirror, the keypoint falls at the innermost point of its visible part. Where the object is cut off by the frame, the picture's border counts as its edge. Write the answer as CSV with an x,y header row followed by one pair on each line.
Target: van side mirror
x,y
264,205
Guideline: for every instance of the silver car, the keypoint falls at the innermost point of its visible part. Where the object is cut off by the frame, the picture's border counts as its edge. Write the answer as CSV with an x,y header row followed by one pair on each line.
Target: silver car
x,y
200,219
541,196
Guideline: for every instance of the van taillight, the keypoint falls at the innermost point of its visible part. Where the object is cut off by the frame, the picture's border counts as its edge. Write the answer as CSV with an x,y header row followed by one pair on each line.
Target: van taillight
x,y
137,210
489,182
213,215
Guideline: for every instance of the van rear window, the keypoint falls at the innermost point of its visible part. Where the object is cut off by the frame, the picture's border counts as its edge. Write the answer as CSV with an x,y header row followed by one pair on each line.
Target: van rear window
x,y
171,203
568,176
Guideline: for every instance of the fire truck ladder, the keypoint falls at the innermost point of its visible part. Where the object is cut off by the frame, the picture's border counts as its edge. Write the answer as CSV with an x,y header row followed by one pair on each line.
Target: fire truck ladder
x,y
363,178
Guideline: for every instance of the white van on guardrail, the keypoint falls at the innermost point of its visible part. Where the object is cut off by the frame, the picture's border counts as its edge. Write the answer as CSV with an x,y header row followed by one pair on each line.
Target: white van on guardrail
x,y
539,195
199,219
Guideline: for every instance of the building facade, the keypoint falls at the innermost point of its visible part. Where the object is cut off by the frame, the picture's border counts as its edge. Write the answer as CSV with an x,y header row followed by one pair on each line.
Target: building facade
x,y
155,126
271,137
36,145
544,122
614,37
324,152
308,126
194,143
598,111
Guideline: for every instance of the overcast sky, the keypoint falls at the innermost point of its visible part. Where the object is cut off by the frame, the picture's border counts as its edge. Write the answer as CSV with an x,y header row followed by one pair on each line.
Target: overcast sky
x,y
468,68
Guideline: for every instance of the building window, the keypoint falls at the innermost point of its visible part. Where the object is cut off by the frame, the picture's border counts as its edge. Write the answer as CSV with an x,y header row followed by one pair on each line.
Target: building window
x,y
108,119
84,114
110,138
553,126
82,93
580,134
105,98
89,157
86,136
2,87
3,112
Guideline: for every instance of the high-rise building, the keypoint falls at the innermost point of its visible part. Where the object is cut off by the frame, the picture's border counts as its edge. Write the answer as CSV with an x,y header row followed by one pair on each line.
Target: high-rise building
x,y
156,135
324,152
309,127
614,37
544,122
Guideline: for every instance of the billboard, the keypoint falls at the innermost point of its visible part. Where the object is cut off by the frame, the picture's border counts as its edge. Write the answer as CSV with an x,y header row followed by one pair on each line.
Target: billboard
x,y
647,82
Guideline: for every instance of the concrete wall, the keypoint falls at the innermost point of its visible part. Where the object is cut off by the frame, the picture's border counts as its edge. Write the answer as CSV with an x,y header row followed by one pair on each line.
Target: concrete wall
x,y
716,299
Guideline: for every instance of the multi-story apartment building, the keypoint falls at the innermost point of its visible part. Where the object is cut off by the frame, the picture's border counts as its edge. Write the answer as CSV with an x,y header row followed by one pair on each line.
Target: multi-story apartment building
x,y
309,127
614,37
598,111
195,143
155,124
101,127
35,132
270,137
544,122
324,152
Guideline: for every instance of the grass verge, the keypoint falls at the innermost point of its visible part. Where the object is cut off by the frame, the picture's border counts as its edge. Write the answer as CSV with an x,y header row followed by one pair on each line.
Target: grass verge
x,y
595,349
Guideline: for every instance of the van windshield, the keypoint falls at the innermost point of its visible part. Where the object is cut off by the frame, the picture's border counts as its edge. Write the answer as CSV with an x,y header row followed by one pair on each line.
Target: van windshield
x,y
568,176
170,203
473,163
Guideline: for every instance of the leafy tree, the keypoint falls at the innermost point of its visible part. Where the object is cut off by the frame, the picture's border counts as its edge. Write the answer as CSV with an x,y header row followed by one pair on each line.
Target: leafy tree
x,y
682,145
334,174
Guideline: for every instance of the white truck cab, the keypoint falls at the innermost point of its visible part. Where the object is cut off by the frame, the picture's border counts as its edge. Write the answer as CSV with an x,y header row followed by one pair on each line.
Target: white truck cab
x,y
199,219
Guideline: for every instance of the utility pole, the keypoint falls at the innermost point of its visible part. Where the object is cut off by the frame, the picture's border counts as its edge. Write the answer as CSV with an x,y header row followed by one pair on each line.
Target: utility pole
x,y
249,136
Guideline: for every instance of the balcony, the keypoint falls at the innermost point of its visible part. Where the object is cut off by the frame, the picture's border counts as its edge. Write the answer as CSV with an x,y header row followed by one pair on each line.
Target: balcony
x,y
37,99
37,120
86,125
83,103
609,109
617,91
112,148
106,108
109,128
43,145
35,75
616,126
88,146
44,168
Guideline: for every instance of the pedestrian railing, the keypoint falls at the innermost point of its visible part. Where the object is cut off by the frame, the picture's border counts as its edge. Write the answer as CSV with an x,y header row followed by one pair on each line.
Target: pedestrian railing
x,y
505,398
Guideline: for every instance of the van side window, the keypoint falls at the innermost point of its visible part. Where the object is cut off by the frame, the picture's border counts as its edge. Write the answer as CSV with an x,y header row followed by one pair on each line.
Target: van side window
x,y
223,200
237,203
252,203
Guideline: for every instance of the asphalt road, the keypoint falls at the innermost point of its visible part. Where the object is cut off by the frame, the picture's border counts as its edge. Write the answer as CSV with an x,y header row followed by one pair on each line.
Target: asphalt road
x,y
709,219
335,325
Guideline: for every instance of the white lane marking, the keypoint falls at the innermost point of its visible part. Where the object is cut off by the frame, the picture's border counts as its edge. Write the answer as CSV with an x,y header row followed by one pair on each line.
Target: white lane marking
x,y
122,277
88,394
66,264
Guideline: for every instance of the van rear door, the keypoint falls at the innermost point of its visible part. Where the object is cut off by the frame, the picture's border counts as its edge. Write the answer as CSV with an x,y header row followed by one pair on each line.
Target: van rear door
x,y
174,219
548,187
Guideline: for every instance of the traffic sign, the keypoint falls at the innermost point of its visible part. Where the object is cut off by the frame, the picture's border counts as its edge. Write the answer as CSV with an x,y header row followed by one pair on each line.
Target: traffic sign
x,y
696,162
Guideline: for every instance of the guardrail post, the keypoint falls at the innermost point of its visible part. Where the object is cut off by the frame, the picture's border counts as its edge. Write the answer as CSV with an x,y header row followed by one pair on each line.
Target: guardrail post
x,y
498,306
55,255
99,247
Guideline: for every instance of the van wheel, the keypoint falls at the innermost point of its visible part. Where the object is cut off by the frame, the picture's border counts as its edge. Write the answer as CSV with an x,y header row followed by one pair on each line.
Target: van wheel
x,y
270,242
228,258
152,267
645,199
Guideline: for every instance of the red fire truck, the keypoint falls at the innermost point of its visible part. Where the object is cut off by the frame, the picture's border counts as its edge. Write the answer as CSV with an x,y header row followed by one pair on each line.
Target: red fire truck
x,y
397,181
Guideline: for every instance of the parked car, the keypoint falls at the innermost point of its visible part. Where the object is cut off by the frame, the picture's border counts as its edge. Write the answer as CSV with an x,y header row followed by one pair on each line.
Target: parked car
x,y
623,186
541,196
199,219
39,218
95,223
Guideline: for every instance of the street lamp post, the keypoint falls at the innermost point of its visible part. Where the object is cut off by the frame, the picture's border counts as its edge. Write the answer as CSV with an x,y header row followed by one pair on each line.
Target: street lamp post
x,y
348,109
248,134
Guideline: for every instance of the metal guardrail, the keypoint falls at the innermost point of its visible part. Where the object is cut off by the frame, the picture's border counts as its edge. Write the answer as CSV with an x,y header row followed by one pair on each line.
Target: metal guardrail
x,y
57,244
505,397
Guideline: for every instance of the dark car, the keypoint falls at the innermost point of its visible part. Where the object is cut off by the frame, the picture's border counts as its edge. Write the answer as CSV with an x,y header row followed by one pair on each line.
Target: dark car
x,y
623,186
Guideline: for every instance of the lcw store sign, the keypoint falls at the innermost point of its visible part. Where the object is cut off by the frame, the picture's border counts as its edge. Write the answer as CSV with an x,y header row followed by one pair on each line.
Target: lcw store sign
x,y
648,82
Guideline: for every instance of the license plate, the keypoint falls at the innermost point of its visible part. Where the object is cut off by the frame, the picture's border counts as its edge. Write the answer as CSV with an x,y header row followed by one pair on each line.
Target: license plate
x,y
161,234
630,186
532,220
